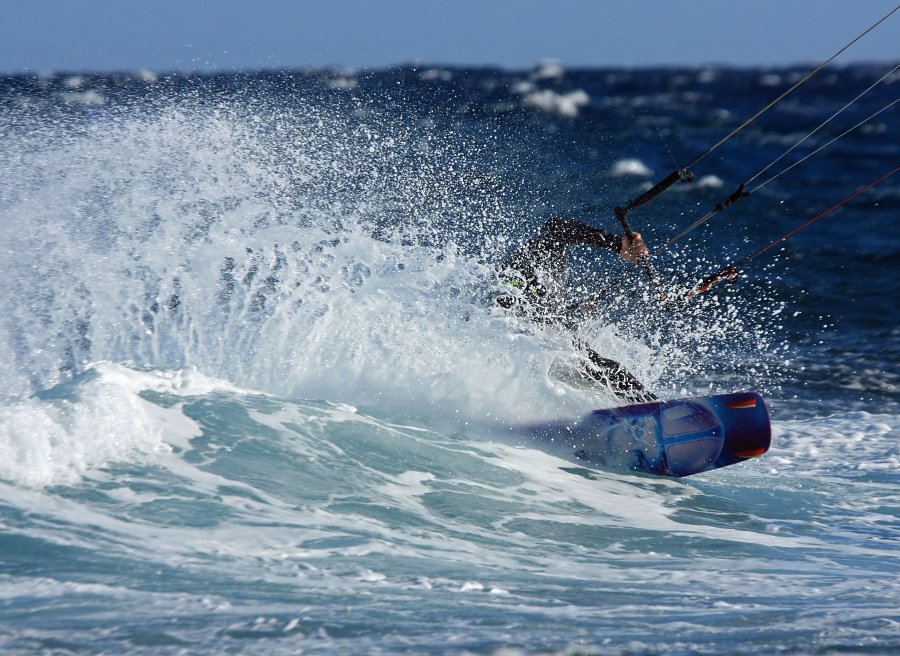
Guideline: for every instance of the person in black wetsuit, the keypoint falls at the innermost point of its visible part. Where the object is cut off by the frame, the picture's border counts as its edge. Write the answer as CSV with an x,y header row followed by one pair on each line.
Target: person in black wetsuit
x,y
539,270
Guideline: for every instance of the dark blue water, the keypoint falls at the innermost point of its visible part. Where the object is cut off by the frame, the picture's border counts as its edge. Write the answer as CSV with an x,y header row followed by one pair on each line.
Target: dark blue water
x,y
252,380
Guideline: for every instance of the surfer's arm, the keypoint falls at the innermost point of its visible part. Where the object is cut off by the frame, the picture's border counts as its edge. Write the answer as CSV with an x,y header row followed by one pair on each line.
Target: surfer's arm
x,y
558,233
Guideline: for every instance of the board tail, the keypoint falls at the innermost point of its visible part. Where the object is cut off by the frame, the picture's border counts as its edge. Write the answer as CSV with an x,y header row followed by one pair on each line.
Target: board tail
x,y
668,438
727,429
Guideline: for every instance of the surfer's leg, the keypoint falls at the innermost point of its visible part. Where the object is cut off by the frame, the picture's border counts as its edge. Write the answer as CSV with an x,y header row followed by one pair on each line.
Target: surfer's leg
x,y
616,377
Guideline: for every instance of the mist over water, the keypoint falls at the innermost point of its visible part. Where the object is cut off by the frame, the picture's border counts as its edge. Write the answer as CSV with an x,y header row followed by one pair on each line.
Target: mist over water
x,y
321,251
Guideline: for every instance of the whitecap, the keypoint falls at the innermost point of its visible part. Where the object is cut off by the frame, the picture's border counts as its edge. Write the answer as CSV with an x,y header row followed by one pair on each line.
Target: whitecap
x,y
522,87
436,74
710,182
630,166
145,75
87,98
78,427
343,83
707,76
564,104
548,69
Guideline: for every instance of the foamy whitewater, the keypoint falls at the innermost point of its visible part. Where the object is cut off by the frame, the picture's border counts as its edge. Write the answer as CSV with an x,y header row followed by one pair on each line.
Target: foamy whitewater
x,y
256,398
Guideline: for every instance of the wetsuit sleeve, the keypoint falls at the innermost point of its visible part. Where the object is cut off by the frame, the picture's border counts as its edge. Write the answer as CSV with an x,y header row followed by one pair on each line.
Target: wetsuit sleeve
x,y
558,233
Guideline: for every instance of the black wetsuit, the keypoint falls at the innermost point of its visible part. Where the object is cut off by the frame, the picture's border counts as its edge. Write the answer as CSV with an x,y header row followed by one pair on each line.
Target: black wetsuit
x,y
539,271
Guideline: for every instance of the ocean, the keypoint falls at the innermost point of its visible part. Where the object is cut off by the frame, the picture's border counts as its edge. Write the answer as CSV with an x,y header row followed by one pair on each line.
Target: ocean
x,y
256,398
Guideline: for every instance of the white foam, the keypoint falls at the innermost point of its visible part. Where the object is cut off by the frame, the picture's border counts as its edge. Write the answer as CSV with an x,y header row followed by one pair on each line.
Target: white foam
x,y
709,182
708,76
548,69
563,104
88,98
440,74
855,441
343,83
571,499
630,166
145,75
57,440
522,87
181,382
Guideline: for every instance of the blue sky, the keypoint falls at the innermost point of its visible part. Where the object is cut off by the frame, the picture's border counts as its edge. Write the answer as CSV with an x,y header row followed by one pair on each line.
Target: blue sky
x,y
182,35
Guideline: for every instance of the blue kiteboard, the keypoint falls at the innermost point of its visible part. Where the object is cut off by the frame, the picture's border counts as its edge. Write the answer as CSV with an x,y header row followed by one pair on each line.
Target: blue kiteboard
x,y
666,438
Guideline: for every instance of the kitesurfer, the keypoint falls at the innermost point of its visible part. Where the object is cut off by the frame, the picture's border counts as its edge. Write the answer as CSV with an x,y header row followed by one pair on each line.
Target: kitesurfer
x,y
538,273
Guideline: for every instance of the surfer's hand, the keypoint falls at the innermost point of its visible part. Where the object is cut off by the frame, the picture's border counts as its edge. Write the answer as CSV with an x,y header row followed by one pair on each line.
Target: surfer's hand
x,y
633,250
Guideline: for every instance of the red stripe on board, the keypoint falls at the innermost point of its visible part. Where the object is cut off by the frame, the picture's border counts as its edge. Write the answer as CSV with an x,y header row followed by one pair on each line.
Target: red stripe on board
x,y
743,403
750,453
